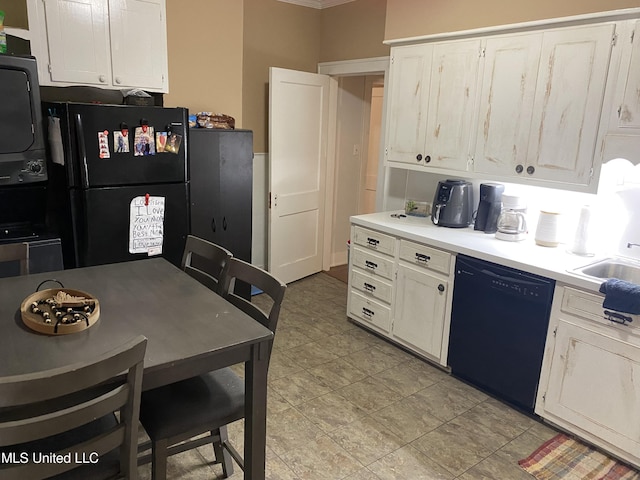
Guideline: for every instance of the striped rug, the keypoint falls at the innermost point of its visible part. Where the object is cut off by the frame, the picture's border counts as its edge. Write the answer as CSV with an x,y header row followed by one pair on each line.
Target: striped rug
x,y
567,459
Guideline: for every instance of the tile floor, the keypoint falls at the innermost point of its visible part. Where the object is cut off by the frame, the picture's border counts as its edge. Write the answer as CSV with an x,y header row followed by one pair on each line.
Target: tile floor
x,y
345,404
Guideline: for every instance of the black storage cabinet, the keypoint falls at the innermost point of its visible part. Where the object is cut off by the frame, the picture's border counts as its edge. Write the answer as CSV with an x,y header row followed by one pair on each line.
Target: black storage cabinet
x,y
221,185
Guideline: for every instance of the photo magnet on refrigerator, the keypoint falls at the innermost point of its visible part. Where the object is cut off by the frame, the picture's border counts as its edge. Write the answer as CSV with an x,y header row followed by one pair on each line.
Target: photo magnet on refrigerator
x,y
103,144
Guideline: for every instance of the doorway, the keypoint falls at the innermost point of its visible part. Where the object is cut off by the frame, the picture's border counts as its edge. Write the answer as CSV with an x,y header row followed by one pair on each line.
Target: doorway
x,y
357,155
353,187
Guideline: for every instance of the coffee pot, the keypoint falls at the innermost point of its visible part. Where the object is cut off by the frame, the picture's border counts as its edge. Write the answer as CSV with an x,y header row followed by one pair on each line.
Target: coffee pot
x,y
512,222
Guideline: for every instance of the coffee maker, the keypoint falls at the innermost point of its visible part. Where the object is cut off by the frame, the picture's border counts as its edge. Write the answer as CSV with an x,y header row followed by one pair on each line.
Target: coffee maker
x,y
489,207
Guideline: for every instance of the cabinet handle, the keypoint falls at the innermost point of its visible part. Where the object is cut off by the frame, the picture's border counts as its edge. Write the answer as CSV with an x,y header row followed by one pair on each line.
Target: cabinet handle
x,y
372,242
441,288
519,168
224,223
213,225
419,157
422,258
427,158
102,79
617,317
368,287
370,264
530,170
368,313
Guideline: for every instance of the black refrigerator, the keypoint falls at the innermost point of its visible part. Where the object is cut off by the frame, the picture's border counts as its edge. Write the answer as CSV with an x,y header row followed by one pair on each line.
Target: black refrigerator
x,y
119,184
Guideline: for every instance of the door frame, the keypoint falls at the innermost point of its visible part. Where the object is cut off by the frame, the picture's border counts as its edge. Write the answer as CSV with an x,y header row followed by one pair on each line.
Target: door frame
x,y
358,67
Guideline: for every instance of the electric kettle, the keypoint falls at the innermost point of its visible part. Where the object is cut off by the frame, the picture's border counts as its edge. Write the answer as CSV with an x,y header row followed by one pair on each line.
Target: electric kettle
x,y
512,222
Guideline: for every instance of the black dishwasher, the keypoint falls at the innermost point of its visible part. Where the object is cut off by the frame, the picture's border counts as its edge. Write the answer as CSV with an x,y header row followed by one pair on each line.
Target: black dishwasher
x,y
499,325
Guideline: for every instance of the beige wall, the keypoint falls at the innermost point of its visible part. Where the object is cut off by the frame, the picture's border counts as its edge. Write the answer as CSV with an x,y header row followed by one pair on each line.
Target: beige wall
x,y
276,34
410,18
353,30
205,56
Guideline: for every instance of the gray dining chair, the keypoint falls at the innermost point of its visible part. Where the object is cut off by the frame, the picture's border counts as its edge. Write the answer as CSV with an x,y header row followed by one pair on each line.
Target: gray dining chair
x,y
16,252
204,261
71,411
174,414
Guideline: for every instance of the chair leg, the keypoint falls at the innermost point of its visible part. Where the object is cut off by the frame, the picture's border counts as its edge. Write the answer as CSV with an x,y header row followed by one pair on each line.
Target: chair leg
x,y
159,460
222,455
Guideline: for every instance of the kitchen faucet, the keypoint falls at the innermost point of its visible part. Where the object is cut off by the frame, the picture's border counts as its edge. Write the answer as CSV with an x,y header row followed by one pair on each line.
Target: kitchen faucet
x,y
629,245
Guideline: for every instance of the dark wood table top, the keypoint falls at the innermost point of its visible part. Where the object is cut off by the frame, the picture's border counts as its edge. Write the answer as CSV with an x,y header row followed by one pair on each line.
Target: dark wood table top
x,y
189,329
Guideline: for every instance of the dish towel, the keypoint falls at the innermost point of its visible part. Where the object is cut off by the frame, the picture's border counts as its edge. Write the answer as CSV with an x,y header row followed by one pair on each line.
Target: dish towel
x,y
621,296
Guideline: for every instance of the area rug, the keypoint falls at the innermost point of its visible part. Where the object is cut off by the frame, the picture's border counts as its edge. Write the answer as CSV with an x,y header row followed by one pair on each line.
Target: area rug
x,y
565,458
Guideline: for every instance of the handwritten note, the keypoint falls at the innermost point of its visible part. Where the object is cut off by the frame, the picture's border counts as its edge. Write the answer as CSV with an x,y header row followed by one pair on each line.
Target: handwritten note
x,y
146,225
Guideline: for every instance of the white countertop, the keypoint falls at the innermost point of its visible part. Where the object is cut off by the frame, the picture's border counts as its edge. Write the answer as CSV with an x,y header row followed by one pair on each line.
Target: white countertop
x,y
525,255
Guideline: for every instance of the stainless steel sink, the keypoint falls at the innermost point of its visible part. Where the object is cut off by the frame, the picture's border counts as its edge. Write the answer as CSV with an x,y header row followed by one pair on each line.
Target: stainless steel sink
x,y
622,269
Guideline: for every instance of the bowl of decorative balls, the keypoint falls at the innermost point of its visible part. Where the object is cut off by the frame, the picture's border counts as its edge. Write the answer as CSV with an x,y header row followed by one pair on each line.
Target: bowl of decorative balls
x,y
59,311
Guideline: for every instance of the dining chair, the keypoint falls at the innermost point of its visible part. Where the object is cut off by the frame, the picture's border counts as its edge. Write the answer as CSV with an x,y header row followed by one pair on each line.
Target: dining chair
x,y
204,261
174,414
16,252
71,411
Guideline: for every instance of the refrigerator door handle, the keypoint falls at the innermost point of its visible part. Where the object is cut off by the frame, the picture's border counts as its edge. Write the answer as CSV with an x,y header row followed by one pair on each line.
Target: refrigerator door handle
x,y
82,150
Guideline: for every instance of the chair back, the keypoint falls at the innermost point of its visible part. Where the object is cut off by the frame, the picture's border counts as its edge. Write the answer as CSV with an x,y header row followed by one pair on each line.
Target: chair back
x,y
12,252
204,261
60,402
239,270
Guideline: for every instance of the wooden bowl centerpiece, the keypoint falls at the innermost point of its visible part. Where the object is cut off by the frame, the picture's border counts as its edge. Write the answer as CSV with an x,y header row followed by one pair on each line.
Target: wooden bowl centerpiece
x,y
59,311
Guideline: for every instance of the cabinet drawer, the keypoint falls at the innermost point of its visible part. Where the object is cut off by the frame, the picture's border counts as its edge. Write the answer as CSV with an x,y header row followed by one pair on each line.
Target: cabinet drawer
x,y
370,311
374,240
589,305
371,286
372,263
426,257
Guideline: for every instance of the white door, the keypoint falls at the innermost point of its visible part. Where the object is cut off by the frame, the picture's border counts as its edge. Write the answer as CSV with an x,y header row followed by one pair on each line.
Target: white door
x,y
298,125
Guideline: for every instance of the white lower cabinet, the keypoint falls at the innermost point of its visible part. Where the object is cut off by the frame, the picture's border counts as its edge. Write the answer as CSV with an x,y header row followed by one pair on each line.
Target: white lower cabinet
x,y
401,289
419,311
590,382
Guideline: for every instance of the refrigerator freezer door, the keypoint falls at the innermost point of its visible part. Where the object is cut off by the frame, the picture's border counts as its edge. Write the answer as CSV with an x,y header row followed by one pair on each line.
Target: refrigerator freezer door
x,y
84,125
103,227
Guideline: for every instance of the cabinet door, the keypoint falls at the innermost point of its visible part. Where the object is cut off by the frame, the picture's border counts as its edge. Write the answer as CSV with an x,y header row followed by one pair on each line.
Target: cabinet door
x,y
591,384
568,101
420,308
506,103
138,43
628,108
452,94
78,41
408,90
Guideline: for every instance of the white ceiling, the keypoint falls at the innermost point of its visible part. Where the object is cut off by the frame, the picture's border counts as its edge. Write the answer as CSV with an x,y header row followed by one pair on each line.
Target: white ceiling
x,y
319,4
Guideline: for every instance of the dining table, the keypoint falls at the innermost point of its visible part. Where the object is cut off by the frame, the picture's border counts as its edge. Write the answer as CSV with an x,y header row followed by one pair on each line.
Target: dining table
x,y
190,330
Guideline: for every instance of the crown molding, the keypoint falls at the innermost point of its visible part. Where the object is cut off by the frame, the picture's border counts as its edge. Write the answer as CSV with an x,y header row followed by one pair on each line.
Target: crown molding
x,y
319,4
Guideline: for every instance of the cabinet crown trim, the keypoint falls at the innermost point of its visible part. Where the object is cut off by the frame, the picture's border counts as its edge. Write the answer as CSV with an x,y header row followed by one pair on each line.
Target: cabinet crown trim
x,y
583,19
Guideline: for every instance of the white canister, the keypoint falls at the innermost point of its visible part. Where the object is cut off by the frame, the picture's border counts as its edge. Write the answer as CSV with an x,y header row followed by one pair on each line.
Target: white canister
x,y
548,229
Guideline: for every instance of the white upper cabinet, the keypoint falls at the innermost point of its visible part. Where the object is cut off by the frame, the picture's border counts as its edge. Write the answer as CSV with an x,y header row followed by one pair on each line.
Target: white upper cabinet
x,y
107,43
137,28
432,90
506,101
525,104
452,96
622,139
568,103
77,34
409,90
